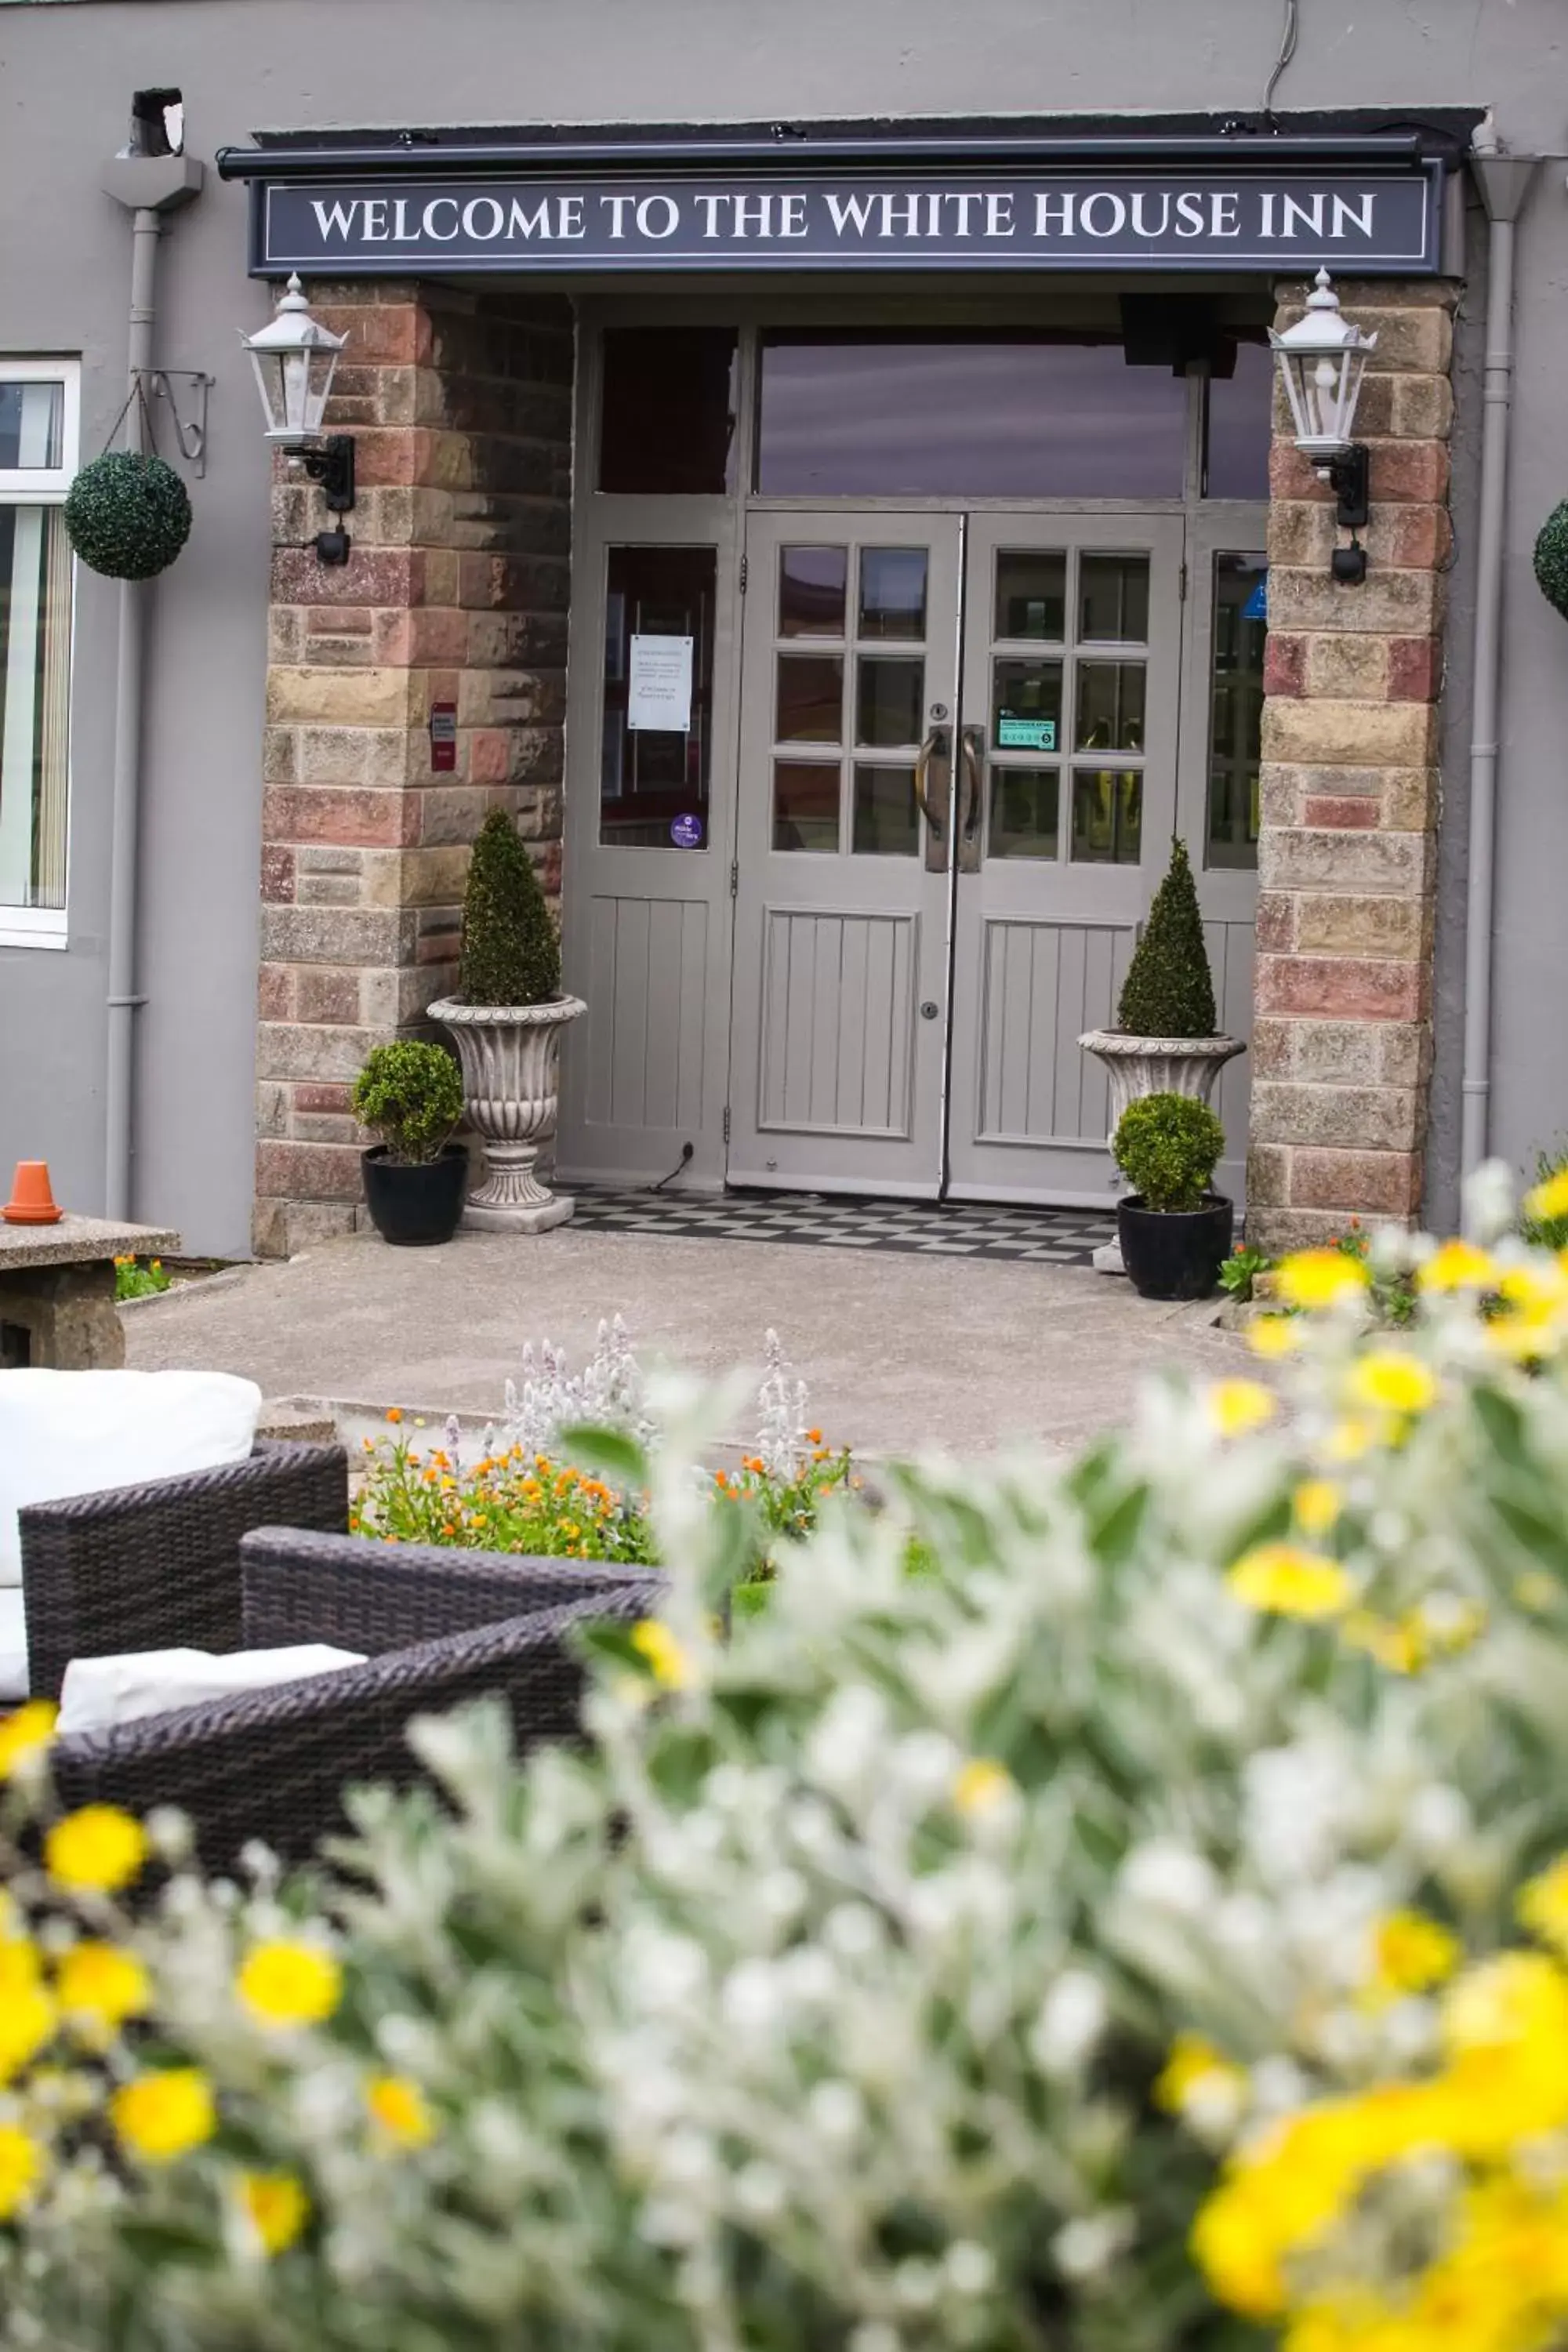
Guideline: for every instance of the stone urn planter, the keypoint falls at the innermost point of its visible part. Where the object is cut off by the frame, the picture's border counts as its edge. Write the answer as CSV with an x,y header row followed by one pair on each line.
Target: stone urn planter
x,y
510,1057
1135,1066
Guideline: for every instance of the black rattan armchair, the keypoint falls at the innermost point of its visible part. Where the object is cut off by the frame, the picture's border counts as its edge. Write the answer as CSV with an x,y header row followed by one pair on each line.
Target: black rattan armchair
x,y
439,1627
156,1567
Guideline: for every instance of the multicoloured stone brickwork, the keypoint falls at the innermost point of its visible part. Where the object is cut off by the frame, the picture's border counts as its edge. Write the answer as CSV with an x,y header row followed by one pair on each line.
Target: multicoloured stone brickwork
x,y
457,590
1347,860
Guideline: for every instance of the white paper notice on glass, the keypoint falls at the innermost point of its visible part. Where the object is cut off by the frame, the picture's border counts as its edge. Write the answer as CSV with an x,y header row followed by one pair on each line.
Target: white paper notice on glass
x,y
658,689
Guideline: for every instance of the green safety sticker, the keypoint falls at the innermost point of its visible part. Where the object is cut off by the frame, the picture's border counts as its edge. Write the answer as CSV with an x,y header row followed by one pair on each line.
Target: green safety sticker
x,y
1026,734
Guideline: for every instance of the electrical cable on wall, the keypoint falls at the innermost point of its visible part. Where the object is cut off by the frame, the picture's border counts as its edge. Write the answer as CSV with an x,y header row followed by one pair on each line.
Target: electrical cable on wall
x,y
1288,40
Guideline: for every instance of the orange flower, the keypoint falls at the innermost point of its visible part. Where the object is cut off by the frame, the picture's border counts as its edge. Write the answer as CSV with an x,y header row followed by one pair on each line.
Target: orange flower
x,y
814,1436
755,1465
393,1414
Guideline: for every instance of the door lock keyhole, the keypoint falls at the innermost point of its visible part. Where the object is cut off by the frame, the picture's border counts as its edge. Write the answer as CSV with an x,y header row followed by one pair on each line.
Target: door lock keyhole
x,y
930,1009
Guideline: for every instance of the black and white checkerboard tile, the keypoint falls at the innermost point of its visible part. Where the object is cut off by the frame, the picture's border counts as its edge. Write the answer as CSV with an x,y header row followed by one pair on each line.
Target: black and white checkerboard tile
x,y
830,1221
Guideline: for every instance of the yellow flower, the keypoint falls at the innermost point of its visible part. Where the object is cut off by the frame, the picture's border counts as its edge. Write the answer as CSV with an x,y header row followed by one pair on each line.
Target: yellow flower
x,y
1320,1278
1547,1202
1348,1440
1515,1998
1316,1503
1410,1953
24,1732
98,1987
28,2015
160,2116
1400,1645
1274,1335
1235,1407
656,1643
1289,1581
399,2109
1543,1905
1194,2062
275,2207
1391,1380
1457,1265
96,1850
21,2170
980,1786
1535,1589
284,1983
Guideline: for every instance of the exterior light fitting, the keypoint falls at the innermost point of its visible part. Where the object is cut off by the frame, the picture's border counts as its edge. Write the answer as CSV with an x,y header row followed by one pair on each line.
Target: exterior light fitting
x,y
1321,360
295,358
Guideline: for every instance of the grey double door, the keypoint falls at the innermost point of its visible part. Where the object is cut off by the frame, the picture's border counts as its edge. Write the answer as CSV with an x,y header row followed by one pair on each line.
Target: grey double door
x,y
957,786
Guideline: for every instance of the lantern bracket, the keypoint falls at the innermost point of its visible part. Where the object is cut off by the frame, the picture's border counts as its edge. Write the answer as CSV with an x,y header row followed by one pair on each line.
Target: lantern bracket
x,y
1347,475
330,463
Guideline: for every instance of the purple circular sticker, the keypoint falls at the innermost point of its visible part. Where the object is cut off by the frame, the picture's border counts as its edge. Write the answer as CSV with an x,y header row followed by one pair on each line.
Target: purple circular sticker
x,y
686,832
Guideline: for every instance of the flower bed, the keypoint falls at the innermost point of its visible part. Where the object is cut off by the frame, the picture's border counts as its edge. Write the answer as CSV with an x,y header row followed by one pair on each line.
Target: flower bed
x,y
1146,1932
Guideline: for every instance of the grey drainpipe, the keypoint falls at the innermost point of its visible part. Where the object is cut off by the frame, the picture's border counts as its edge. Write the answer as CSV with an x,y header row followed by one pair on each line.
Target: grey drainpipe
x,y
1504,182
149,186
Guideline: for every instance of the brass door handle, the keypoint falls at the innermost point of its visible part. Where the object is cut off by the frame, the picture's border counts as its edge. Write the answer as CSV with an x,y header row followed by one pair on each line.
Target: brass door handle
x,y
935,742
972,805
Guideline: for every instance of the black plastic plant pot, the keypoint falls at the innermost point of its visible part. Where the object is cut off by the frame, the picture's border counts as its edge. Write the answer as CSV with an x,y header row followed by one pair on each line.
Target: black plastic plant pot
x,y
1175,1253
414,1206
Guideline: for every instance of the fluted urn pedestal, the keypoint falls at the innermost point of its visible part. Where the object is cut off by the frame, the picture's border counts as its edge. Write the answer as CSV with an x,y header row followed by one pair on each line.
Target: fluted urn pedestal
x,y
1135,1066
510,1057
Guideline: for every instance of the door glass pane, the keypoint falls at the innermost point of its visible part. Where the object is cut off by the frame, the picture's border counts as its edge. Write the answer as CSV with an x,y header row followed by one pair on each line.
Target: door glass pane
x,y
654,782
810,699
1109,707
1236,708
811,581
667,416
1113,599
1107,816
887,820
1023,803
1241,425
893,591
1028,415
888,699
1025,706
35,701
1031,594
806,804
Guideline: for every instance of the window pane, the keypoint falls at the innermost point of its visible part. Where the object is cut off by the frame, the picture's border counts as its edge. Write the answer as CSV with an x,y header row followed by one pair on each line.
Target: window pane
x,y
810,699
1025,706
1107,816
812,583
1020,417
1113,599
654,782
35,704
1240,415
1023,812
1236,708
1109,707
1031,594
893,591
888,699
887,820
32,423
805,805
668,418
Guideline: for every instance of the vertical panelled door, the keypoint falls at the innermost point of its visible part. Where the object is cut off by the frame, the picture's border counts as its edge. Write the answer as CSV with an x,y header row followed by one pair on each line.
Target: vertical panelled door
x,y
958,785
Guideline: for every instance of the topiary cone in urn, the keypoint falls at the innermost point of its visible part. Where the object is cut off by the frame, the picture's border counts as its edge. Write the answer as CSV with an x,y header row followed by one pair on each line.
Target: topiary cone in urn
x,y
1166,1039
506,1022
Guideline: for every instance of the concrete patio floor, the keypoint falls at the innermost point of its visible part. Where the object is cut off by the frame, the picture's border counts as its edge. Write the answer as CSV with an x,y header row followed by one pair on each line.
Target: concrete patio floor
x,y
900,1352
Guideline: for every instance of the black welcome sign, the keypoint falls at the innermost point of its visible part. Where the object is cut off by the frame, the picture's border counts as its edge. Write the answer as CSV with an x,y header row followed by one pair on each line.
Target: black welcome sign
x,y
1364,221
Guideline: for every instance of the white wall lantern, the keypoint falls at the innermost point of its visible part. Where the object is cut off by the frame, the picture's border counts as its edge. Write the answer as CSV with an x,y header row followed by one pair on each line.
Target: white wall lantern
x,y
1321,360
295,358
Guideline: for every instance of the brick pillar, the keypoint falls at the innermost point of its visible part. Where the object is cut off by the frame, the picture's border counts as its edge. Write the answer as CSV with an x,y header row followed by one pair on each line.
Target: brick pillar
x,y
1347,857
456,590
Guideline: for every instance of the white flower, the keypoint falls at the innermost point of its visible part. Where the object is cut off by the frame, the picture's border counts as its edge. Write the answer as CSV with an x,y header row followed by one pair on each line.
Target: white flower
x,y
1169,1877
971,2269
780,1894
875,2336
924,1764
670,1971
1213,2106
1243,1926
917,2284
850,1738
1071,2020
1438,1817
809,1974
759,2191
853,1930
1278,2087
837,2109
1090,2243
751,1997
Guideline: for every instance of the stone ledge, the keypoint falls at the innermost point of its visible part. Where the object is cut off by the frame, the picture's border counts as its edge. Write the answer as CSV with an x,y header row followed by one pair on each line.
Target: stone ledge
x,y
81,1241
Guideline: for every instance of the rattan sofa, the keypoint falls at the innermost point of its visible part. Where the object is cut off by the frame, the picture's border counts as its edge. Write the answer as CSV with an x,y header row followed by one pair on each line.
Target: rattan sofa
x,y
439,1628
156,1567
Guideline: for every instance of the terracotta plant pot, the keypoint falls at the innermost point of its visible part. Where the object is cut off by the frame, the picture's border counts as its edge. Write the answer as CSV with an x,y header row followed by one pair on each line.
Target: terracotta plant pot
x,y
510,1055
32,1201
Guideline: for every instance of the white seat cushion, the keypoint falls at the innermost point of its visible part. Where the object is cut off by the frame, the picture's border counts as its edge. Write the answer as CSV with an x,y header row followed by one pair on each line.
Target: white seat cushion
x,y
13,1645
99,1693
78,1432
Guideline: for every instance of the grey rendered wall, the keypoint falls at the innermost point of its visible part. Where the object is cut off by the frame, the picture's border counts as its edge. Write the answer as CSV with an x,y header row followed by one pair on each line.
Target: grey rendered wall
x,y
65,74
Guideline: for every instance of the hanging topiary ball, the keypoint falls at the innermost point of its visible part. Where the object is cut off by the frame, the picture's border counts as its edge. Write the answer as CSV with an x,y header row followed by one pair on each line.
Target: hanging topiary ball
x,y
128,516
1552,558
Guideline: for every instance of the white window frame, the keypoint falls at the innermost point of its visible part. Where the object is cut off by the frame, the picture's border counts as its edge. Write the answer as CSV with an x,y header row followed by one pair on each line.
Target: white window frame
x,y
35,486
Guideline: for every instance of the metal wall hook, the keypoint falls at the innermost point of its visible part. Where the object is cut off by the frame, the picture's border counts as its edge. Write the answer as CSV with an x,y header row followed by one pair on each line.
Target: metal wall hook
x,y
190,432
